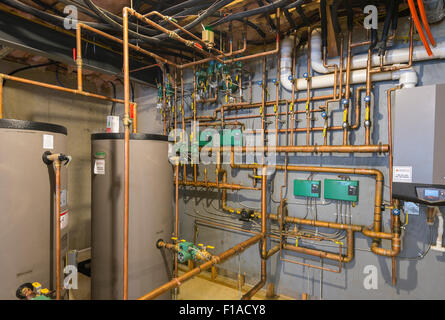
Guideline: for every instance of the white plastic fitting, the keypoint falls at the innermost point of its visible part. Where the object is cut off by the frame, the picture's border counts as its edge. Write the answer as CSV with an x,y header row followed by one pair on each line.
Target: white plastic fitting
x,y
287,47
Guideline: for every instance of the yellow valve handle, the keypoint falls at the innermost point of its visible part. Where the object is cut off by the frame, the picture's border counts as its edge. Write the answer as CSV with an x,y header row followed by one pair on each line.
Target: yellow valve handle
x,y
339,242
182,240
193,106
237,77
200,245
345,115
231,210
367,113
211,247
353,204
174,238
324,131
261,110
291,107
296,242
44,291
180,108
307,105
36,285
275,108
226,98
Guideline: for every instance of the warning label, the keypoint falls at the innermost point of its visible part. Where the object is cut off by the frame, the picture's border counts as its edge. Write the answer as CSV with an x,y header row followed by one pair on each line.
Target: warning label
x,y
403,174
99,167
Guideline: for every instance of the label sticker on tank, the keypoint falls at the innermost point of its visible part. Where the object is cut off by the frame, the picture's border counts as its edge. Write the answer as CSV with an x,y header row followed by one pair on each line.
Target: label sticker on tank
x,y
99,167
63,198
48,141
64,219
403,174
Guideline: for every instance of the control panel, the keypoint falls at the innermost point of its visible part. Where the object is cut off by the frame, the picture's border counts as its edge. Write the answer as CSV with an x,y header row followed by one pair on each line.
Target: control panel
x,y
343,190
431,195
307,188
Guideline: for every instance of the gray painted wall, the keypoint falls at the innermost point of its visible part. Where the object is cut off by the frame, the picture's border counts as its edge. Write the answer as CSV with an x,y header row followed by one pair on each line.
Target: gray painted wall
x,y
422,279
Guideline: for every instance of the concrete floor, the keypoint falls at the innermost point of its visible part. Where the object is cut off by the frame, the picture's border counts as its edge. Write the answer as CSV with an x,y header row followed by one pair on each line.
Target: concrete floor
x,y
198,288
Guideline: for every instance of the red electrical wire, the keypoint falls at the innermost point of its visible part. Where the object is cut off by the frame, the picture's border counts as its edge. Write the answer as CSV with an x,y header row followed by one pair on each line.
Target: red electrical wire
x,y
412,8
425,22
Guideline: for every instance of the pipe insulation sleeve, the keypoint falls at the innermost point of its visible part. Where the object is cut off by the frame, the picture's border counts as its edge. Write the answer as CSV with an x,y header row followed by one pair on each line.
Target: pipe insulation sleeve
x,y
395,56
287,47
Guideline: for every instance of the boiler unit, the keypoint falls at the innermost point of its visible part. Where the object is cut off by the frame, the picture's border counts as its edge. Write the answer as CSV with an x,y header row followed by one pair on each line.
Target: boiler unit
x,y
27,198
150,214
419,145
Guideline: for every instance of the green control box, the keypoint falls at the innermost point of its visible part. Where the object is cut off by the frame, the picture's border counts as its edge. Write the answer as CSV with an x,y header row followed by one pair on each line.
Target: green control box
x,y
307,188
228,138
344,190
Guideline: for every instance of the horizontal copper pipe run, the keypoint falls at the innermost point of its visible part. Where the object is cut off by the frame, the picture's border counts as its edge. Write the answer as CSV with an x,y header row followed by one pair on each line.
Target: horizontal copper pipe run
x,y
216,185
176,282
54,87
383,148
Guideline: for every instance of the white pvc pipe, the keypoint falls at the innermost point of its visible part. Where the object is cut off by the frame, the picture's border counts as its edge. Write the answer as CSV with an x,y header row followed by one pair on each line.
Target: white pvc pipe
x,y
287,47
406,77
395,56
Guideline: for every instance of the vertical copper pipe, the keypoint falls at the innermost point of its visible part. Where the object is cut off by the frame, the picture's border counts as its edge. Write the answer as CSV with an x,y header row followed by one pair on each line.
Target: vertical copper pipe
x,y
57,166
176,216
277,83
292,104
263,242
135,117
79,57
348,90
1,97
183,121
126,121
368,103
195,175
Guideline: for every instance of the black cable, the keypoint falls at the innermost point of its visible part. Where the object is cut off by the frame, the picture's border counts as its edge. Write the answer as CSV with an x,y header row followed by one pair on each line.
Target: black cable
x,y
266,16
302,15
113,106
56,20
252,12
290,19
47,7
254,27
381,46
348,7
182,5
334,15
324,24
212,9
29,67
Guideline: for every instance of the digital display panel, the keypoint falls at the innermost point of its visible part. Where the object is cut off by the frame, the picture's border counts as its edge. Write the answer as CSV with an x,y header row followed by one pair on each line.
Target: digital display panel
x,y
432,193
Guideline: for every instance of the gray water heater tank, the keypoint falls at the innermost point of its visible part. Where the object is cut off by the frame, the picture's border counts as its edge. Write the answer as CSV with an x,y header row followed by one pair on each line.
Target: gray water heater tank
x,y
150,215
27,202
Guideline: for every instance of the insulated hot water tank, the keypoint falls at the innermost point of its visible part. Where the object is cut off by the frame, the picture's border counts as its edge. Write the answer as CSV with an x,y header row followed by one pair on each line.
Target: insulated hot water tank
x,y
150,214
27,202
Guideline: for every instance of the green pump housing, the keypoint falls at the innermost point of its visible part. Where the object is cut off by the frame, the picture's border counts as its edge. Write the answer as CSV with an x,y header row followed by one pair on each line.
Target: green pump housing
x,y
187,251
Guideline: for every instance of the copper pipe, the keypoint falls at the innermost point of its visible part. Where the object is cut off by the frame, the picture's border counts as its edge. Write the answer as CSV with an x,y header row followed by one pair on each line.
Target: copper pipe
x,y
54,87
168,19
132,46
57,166
145,68
176,282
348,92
277,83
216,185
176,215
79,57
172,34
382,148
368,103
1,96
263,243
135,117
126,122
